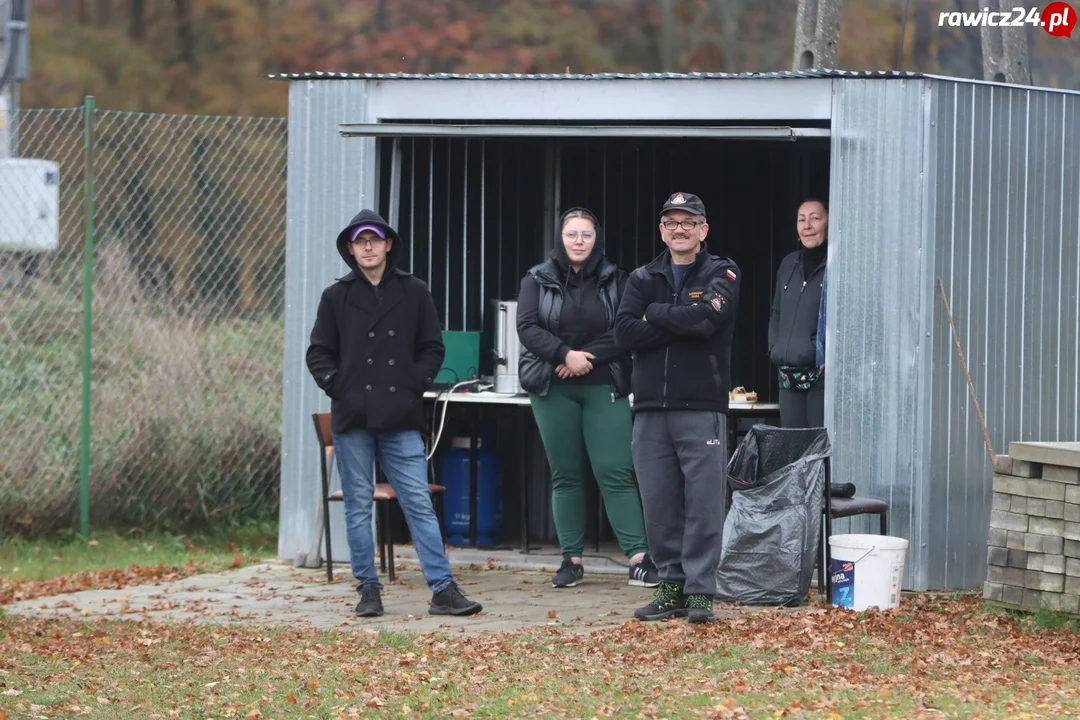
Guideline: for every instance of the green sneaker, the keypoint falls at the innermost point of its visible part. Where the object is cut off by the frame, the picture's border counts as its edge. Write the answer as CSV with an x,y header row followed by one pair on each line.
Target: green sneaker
x,y
699,608
668,601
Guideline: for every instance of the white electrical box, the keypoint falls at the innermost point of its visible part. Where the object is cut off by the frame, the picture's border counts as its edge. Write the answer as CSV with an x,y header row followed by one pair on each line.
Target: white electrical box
x,y
29,205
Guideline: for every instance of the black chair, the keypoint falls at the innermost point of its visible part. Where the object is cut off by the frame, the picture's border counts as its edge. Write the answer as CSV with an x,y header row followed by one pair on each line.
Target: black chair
x,y
841,507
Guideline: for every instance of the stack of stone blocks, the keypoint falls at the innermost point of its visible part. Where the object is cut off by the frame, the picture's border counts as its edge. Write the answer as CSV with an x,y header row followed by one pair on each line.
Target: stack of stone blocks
x,y
1033,547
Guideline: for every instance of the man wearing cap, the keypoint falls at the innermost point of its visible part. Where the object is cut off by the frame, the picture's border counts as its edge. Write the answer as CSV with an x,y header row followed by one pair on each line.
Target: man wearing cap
x,y
677,316
376,346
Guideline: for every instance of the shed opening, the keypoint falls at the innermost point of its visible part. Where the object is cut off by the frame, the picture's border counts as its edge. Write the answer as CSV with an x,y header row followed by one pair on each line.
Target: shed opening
x,y
476,212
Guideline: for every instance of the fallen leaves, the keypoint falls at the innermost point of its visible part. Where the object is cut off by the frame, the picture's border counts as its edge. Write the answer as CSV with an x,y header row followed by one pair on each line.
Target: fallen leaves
x,y
930,657
15,589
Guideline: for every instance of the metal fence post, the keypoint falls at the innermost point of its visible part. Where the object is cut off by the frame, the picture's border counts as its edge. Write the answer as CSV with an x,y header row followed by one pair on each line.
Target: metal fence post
x,y
88,287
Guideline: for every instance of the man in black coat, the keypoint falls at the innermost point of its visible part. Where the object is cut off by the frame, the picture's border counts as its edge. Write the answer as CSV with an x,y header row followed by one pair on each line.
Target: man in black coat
x,y
677,316
376,346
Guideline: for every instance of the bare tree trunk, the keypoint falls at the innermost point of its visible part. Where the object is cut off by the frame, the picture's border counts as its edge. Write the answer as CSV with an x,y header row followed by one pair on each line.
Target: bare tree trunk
x,y
185,33
381,20
104,13
266,29
137,20
667,36
924,32
973,39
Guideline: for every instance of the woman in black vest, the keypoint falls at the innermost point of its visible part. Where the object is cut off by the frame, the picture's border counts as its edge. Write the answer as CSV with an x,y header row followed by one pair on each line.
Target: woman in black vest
x,y
578,383
793,325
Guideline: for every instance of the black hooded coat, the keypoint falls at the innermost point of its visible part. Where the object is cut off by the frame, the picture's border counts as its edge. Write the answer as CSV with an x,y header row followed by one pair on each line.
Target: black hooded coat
x,y
560,310
375,352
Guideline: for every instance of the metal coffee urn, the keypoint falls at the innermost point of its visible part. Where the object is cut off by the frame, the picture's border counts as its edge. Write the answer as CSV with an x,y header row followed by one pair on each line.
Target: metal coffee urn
x,y
506,348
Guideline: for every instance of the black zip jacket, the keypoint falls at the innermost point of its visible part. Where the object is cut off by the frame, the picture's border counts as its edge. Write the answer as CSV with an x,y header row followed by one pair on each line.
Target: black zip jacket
x,y
682,350
560,310
373,353
793,321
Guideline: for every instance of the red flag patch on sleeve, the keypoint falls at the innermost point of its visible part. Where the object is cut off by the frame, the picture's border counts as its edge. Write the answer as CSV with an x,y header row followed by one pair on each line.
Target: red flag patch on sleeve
x,y
731,274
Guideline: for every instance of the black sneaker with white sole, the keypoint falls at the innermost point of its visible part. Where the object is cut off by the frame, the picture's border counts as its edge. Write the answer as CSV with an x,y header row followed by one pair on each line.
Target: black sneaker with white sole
x,y
645,573
451,601
370,604
569,574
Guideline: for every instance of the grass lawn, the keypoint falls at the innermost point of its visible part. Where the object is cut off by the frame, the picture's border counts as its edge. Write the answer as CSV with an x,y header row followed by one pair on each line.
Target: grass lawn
x,y
65,562
935,657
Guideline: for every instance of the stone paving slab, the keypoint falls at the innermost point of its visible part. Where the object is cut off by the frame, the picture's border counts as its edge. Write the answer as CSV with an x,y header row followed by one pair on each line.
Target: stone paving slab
x,y
275,593
1047,453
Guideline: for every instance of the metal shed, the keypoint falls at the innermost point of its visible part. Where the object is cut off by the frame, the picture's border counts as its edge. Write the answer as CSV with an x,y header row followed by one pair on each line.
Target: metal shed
x,y
928,177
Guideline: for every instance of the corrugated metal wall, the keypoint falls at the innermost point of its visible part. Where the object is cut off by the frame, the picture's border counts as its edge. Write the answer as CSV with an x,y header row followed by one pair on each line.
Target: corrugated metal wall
x,y
879,305
1006,175
330,178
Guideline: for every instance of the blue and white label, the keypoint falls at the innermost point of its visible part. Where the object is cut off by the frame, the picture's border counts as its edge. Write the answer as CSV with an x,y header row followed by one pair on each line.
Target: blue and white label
x,y
842,576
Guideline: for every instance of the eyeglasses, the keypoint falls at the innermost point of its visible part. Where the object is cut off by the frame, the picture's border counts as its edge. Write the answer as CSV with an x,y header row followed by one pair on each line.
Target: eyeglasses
x,y
684,224
373,241
573,235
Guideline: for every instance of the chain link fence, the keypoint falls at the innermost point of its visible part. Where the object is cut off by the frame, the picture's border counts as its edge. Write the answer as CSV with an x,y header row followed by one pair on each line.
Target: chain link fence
x,y
185,286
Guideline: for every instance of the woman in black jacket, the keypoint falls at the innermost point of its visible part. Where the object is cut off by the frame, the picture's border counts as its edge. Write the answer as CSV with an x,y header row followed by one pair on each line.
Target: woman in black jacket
x,y
793,324
578,382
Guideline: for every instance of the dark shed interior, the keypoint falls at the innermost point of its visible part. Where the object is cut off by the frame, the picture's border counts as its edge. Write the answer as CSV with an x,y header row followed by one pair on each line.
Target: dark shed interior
x,y
476,213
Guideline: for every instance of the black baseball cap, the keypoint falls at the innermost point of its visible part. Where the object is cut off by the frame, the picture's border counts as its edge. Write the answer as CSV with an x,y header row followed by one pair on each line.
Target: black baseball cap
x,y
684,201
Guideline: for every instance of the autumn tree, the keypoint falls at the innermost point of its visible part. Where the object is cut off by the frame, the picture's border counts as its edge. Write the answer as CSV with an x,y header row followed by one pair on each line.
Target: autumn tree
x,y
213,56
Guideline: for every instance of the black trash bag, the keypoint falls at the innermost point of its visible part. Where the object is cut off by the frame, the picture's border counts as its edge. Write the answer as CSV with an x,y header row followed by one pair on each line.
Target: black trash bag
x,y
773,528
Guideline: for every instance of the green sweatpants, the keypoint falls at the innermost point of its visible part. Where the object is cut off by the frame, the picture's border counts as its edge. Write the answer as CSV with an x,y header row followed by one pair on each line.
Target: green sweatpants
x,y
580,425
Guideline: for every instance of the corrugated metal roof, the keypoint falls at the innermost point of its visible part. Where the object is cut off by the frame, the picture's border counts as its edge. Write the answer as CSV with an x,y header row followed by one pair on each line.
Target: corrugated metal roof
x,y
820,73
781,75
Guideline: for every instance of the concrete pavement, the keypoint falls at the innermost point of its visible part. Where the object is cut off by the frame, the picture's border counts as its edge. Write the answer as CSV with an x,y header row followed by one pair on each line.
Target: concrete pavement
x,y
275,593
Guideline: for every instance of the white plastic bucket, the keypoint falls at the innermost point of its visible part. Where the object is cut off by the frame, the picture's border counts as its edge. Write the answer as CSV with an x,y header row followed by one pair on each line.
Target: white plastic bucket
x,y
865,570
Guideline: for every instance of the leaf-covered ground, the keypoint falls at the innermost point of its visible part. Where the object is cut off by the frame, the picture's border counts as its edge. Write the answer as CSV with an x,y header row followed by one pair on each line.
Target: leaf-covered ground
x,y
935,657
14,589
65,562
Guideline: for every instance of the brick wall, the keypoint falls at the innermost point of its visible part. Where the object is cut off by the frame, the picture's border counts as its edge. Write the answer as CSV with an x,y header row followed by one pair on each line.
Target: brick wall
x,y
1033,547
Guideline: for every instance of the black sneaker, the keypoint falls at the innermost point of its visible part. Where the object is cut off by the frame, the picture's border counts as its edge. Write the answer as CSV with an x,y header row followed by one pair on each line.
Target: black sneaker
x,y
370,604
451,601
644,574
569,574
699,609
667,602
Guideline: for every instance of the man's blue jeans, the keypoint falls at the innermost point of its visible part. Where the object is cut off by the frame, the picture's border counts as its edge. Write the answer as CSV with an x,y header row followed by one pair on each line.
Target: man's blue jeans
x,y
401,456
